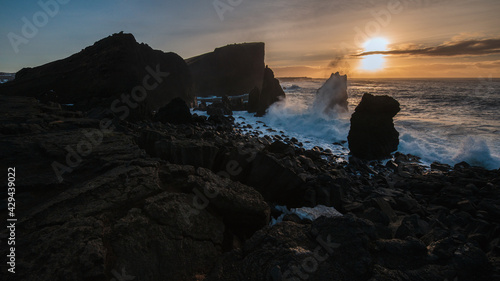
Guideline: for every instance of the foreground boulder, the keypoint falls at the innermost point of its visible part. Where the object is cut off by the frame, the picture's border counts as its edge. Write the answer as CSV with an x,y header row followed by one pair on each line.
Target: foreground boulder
x,y
372,134
327,249
259,101
111,74
231,70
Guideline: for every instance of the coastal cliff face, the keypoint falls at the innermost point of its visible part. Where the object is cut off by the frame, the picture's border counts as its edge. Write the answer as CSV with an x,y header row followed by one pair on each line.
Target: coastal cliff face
x,y
231,70
101,73
131,80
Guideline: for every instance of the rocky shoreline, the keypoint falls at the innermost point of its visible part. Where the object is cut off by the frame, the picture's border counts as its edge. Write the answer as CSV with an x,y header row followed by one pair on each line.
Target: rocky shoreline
x,y
194,201
117,180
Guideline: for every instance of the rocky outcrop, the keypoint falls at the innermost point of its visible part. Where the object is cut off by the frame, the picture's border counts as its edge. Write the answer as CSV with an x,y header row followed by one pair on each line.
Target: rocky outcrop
x,y
236,70
221,108
116,72
327,249
372,134
109,210
231,70
147,199
410,225
245,163
260,100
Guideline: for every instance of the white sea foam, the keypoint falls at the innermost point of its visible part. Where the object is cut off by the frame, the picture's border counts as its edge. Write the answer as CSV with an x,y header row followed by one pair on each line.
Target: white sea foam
x,y
331,98
297,119
475,151
435,123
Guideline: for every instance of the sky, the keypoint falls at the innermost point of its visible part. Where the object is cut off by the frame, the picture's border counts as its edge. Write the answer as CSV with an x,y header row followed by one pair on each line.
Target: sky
x,y
423,38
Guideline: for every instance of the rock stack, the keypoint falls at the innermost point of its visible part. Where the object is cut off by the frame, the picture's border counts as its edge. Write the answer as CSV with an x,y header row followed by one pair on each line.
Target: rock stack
x,y
259,101
372,134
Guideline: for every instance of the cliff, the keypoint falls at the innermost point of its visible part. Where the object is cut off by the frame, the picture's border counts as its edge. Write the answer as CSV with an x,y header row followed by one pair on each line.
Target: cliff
x,y
101,73
231,70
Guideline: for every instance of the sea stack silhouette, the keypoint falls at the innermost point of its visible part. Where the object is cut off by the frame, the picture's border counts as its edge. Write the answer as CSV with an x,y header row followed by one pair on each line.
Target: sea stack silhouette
x,y
372,134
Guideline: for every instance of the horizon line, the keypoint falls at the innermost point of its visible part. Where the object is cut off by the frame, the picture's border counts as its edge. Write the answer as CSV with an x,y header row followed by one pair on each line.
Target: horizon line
x,y
306,77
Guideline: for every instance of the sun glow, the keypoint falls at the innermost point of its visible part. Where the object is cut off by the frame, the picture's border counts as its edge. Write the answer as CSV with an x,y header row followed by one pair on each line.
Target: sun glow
x,y
374,62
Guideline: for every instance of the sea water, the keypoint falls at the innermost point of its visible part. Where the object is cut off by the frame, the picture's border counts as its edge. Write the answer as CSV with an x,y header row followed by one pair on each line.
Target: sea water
x,y
443,120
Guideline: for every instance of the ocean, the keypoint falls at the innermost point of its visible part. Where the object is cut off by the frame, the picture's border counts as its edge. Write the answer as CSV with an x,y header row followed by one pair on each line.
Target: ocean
x,y
443,120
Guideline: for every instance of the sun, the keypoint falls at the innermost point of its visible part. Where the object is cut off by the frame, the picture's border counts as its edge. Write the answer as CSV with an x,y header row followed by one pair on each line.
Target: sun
x,y
374,62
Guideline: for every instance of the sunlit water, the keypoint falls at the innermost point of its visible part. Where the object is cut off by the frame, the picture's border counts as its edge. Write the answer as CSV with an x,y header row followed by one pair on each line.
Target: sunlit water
x,y
444,120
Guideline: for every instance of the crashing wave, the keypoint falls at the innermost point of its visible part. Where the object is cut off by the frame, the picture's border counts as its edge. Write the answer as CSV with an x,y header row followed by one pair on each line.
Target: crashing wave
x,y
331,98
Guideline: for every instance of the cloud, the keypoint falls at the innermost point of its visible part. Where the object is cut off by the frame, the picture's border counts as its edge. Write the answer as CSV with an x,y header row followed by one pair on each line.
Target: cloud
x,y
491,64
471,47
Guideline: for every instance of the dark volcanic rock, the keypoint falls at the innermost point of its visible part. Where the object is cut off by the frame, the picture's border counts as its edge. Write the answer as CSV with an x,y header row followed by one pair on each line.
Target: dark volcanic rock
x,y
327,249
372,134
199,210
185,152
259,101
253,100
116,210
242,207
274,181
231,70
101,73
220,108
175,112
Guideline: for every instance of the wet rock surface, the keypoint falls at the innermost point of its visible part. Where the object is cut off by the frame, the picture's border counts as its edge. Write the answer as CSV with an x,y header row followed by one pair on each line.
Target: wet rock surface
x,y
193,201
